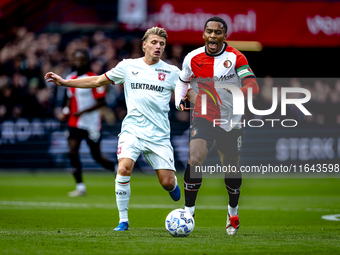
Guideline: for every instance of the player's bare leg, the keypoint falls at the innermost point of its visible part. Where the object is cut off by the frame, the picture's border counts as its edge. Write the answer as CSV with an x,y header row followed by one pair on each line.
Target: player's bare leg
x,y
123,191
198,151
168,180
73,154
233,182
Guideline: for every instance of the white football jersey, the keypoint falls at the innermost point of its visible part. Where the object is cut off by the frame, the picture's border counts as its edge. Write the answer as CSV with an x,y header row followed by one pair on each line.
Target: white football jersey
x,y
147,94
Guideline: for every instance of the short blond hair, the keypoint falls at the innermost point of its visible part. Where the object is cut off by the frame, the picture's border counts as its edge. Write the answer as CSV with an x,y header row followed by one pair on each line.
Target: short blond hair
x,y
155,31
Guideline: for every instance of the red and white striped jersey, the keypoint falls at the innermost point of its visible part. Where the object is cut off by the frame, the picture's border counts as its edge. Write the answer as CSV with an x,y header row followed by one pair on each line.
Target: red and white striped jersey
x,y
82,99
227,67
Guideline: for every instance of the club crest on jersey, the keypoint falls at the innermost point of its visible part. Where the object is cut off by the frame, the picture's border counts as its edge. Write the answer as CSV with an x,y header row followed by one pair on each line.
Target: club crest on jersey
x,y
161,76
227,64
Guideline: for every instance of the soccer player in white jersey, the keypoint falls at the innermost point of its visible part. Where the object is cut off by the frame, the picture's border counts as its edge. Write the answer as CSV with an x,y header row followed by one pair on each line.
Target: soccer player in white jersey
x,y
214,64
84,120
148,84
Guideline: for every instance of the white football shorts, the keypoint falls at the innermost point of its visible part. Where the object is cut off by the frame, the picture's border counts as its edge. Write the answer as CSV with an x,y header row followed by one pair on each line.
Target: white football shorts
x,y
159,155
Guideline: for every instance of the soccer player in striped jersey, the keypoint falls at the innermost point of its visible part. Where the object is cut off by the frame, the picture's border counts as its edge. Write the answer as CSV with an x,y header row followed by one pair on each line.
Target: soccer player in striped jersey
x,y
84,120
211,66
148,85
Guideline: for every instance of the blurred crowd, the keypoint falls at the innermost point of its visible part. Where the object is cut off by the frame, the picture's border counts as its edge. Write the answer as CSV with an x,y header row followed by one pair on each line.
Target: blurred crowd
x,y
324,104
26,58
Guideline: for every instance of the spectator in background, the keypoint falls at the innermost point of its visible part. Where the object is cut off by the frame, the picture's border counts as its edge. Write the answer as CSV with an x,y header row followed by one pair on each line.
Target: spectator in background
x,y
84,120
177,55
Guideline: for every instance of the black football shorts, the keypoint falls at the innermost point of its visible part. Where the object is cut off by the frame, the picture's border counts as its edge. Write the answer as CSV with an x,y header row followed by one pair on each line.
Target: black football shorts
x,y
229,143
91,136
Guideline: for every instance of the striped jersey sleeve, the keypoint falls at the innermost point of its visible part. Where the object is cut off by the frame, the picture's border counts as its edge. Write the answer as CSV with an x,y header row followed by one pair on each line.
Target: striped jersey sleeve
x,y
242,68
186,73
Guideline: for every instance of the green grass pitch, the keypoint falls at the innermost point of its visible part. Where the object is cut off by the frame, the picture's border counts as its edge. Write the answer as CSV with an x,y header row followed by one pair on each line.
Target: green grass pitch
x,y
276,216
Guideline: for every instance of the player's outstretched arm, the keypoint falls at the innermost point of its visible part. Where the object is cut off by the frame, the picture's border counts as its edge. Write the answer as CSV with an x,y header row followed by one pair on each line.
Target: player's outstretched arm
x,y
86,82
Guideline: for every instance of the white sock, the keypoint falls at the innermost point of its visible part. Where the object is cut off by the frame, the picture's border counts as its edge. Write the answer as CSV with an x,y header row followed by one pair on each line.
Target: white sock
x,y
81,187
190,209
123,192
232,210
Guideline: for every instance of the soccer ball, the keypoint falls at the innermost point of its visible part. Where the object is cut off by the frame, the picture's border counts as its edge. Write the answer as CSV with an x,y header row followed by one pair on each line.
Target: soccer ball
x,y
179,223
